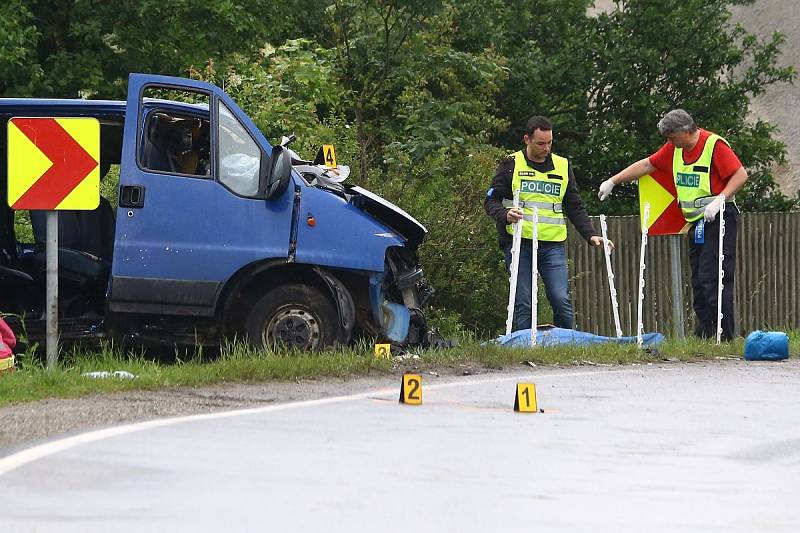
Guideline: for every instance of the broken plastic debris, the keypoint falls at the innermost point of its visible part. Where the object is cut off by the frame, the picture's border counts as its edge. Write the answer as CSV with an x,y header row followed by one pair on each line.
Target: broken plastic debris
x,y
119,374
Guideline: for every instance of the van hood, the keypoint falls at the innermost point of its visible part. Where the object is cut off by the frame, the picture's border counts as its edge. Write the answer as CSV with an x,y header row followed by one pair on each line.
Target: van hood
x,y
388,213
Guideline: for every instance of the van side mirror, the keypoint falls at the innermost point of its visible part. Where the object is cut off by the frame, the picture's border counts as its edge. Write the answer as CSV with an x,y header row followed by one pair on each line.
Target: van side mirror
x,y
280,169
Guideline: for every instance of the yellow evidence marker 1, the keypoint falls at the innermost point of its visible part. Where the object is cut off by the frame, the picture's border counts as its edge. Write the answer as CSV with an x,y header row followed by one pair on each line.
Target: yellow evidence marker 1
x,y
411,389
525,401
383,351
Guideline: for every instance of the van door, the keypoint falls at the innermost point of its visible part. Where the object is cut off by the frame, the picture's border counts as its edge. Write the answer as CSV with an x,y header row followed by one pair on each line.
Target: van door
x,y
190,214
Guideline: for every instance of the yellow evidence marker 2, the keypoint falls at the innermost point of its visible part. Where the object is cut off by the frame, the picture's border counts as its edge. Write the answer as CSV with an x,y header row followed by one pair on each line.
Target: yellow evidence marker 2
x,y
383,351
411,389
525,400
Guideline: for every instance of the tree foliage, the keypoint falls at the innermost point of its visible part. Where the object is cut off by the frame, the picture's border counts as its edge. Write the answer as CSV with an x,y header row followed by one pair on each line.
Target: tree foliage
x,y
423,97
19,70
88,48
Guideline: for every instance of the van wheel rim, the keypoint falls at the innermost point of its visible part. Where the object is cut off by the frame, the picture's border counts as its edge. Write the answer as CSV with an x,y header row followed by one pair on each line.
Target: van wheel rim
x,y
293,327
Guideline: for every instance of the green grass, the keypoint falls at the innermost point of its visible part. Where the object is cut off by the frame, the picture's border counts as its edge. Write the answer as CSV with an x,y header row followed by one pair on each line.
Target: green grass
x,y
234,363
240,363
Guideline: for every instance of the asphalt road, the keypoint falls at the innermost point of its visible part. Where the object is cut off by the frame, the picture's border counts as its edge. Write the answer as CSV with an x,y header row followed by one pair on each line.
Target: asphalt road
x,y
682,447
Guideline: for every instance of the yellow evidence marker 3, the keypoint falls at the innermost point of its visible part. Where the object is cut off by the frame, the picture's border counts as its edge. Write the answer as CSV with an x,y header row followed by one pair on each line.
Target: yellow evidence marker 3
x,y
411,389
525,400
383,351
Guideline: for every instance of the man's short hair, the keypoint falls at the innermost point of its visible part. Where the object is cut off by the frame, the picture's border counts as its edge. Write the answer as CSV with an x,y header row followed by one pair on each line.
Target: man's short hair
x,y
676,121
538,123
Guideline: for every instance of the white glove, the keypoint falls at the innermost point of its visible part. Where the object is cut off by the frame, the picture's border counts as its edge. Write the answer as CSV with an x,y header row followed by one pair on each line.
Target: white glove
x,y
713,208
605,189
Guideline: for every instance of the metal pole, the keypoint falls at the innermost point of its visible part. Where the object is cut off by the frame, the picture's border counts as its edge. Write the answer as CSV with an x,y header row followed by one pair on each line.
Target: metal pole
x,y
677,285
51,273
640,318
534,276
721,272
610,272
515,244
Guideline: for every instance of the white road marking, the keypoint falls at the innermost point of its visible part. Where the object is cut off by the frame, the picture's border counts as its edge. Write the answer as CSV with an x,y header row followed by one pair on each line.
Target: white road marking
x,y
24,457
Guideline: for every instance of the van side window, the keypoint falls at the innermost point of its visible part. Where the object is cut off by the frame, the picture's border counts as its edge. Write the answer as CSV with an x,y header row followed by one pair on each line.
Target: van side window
x,y
239,155
176,144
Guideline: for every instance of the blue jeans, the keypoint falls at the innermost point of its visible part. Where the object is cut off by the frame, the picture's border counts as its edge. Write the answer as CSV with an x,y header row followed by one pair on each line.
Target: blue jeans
x,y
552,261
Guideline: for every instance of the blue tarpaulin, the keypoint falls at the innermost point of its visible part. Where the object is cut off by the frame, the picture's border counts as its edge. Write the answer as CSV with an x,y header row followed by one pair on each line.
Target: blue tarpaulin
x,y
551,336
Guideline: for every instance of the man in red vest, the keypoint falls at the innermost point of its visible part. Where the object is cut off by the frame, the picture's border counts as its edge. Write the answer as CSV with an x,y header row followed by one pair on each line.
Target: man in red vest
x,y
706,173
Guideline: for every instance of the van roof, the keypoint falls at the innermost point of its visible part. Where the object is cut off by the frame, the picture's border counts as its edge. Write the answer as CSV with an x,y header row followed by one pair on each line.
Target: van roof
x,y
78,106
14,105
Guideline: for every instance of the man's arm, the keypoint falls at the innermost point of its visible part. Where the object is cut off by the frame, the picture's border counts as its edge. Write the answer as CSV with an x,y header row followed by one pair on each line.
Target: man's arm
x,y
735,182
500,190
632,173
728,166
725,163
575,210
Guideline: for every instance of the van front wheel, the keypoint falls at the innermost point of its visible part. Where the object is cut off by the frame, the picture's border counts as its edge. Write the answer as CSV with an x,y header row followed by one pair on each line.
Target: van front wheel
x,y
296,316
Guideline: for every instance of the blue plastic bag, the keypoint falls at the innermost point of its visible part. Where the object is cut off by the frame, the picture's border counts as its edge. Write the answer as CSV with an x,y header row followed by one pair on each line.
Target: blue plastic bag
x,y
766,346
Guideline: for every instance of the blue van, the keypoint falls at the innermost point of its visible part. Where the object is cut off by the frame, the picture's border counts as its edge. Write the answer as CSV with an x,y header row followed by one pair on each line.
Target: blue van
x,y
216,234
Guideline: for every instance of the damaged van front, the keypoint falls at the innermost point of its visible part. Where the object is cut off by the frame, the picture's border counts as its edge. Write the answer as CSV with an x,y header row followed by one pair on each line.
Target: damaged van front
x,y
367,244
398,294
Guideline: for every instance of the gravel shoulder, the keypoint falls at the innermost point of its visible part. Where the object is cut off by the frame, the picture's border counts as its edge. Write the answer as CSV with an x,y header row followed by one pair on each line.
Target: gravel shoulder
x,y
25,424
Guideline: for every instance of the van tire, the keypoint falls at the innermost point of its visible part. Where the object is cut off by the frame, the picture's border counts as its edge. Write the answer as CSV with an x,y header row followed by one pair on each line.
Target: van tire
x,y
295,315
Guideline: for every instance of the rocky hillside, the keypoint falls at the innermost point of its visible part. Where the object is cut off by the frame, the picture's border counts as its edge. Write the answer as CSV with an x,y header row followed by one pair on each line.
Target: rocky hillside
x,y
780,104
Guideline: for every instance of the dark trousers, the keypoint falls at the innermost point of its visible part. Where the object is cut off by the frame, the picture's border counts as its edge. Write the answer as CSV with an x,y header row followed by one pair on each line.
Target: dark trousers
x,y
704,259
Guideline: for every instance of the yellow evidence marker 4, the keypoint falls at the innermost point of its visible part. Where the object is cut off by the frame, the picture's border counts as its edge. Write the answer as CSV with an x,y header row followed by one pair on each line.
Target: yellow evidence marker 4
x,y
411,389
326,156
525,400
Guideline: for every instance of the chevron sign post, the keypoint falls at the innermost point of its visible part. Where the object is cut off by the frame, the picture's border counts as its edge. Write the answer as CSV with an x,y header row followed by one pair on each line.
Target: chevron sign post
x,y
53,164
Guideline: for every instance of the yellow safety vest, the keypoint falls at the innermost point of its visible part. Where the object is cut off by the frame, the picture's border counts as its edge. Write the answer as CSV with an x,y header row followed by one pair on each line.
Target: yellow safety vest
x,y
545,191
693,181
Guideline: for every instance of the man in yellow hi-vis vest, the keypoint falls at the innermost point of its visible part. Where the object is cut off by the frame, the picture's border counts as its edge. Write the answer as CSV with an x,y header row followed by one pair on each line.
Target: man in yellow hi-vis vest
x,y
706,173
545,181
